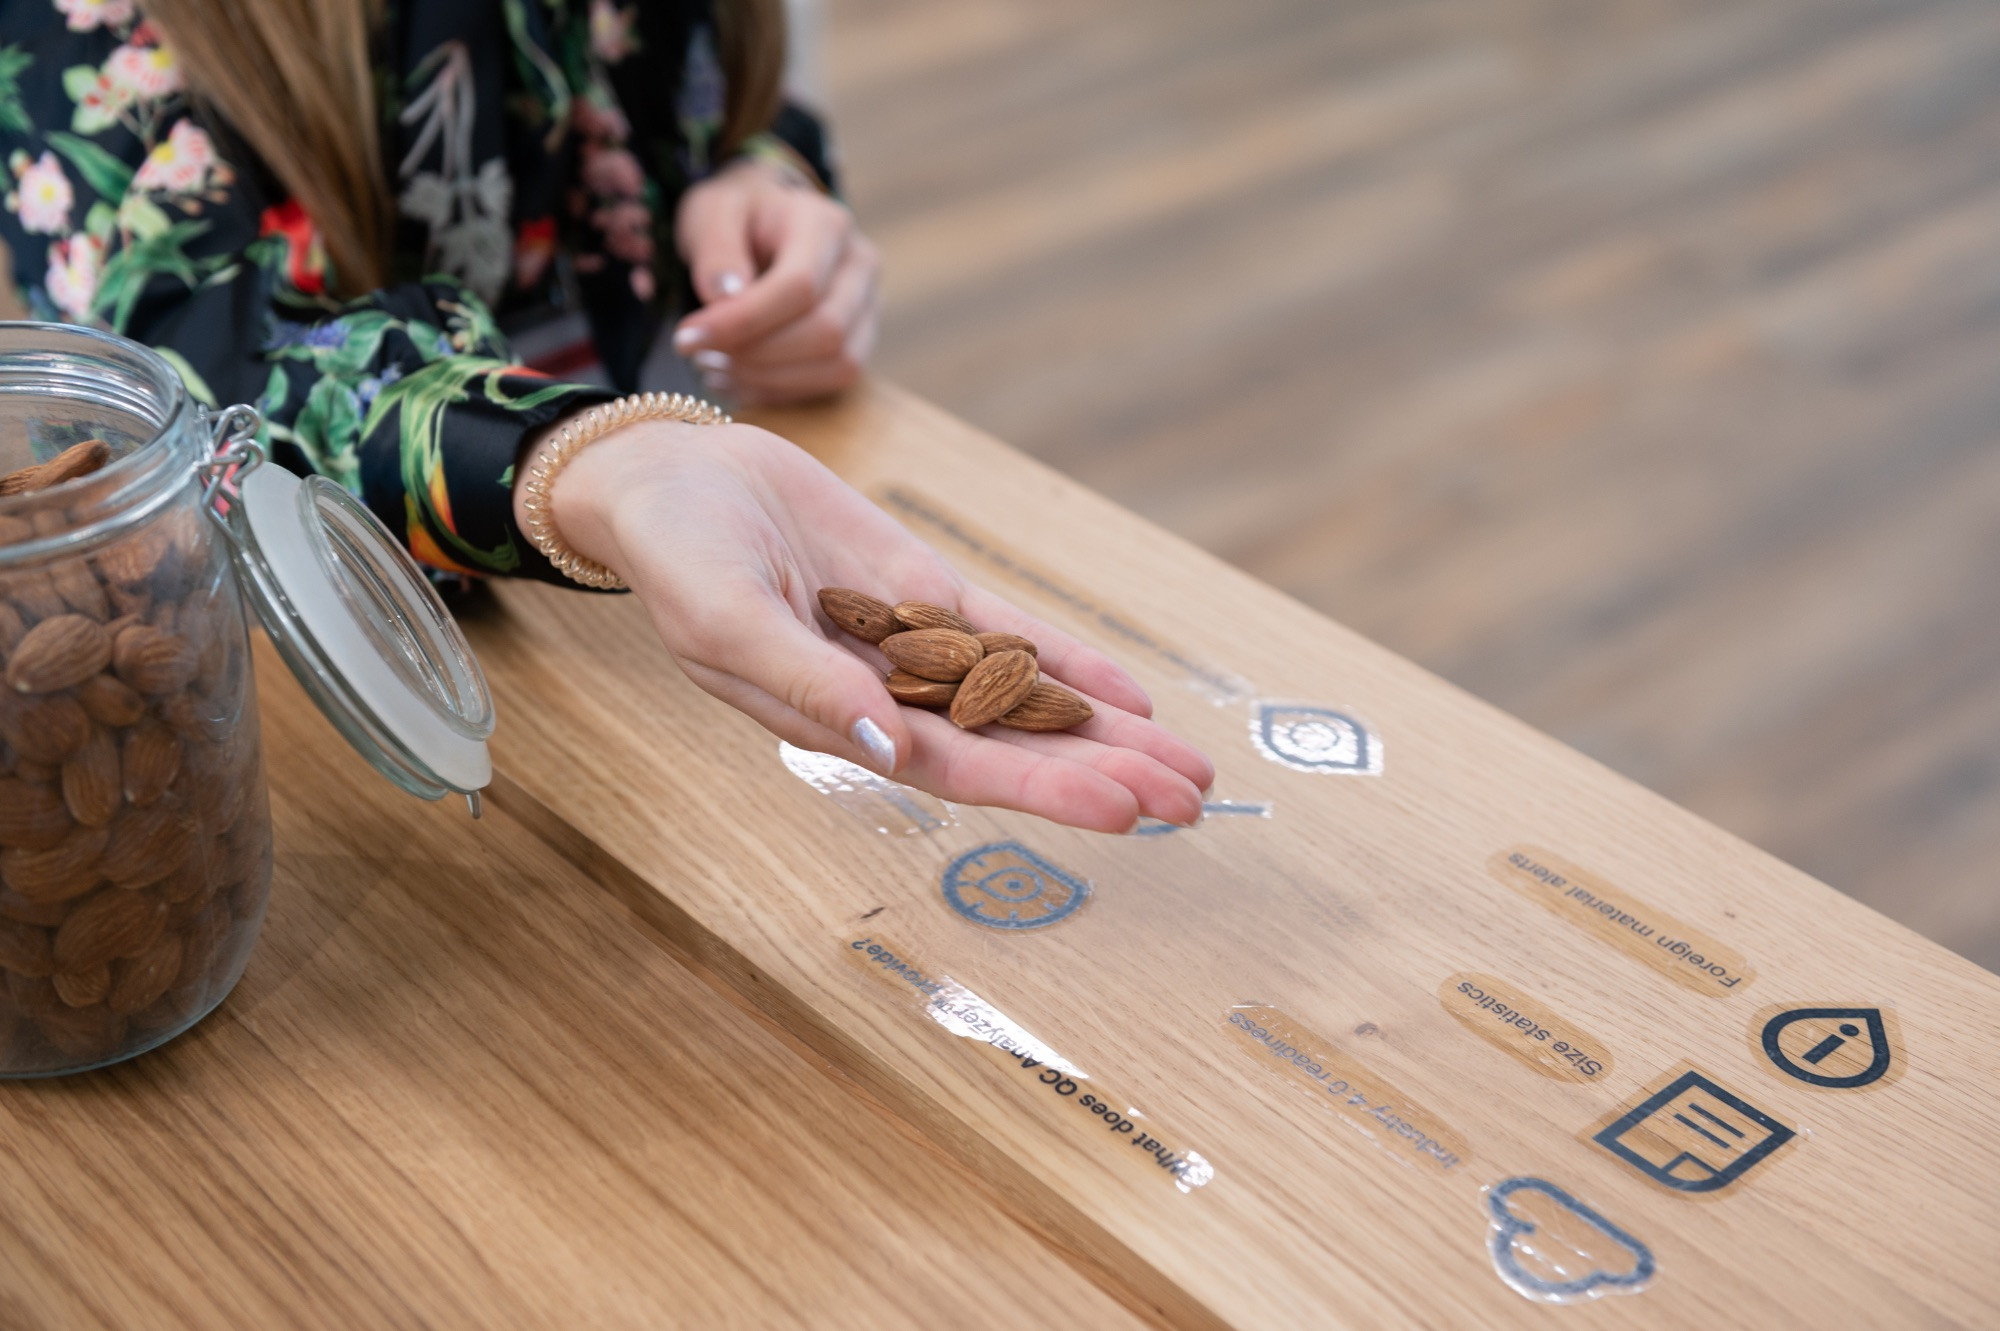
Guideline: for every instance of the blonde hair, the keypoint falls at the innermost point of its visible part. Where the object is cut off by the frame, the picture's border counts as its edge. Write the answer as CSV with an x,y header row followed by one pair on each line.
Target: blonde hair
x,y
294,78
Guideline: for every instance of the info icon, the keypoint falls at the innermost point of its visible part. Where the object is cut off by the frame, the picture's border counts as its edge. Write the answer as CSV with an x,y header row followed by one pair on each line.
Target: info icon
x,y
1832,1048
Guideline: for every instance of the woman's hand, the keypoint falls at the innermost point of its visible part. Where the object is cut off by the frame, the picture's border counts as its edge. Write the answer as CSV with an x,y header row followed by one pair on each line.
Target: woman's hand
x,y
727,533
788,286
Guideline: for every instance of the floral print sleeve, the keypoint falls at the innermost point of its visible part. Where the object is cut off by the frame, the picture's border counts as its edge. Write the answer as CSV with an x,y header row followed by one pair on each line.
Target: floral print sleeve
x,y
126,211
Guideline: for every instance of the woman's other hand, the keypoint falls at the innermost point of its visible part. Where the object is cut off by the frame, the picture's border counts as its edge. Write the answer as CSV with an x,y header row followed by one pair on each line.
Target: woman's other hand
x,y
727,533
788,286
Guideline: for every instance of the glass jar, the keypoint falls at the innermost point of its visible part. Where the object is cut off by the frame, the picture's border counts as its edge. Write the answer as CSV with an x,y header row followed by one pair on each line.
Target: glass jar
x,y
135,833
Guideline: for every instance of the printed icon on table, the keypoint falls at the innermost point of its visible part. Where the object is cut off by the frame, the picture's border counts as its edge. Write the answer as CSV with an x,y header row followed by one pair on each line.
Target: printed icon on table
x,y
1306,738
1552,1248
1007,886
1693,1136
1835,1047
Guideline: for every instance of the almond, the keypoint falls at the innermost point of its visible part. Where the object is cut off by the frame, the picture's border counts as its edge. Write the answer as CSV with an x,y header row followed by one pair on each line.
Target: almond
x,y
66,869
42,774
110,701
41,914
74,461
12,627
146,845
132,602
994,687
924,615
995,643
859,613
137,983
83,1035
47,730
58,653
80,589
940,654
32,994
152,758
24,949
90,780
32,815
918,692
85,987
1048,707
152,660
33,594
129,562
109,925
191,886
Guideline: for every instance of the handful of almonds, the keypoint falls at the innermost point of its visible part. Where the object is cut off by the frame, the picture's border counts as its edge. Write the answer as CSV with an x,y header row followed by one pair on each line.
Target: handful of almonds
x,y
943,660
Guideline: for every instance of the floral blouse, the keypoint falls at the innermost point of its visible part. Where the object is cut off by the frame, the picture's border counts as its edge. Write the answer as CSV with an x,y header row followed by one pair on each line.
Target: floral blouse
x,y
539,148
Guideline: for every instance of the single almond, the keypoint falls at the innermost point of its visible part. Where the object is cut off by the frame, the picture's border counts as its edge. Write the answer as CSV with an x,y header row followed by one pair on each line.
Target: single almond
x,y
1048,707
129,601
33,594
859,613
57,654
995,643
924,615
24,949
80,589
42,774
151,760
109,925
918,692
91,783
110,701
131,561
32,994
12,627
41,914
66,869
85,987
47,730
153,661
32,815
84,1034
944,655
994,687
74,461
138,982
146,845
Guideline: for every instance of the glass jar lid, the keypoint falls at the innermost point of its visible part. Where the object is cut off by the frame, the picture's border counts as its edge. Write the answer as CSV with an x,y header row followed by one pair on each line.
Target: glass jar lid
x,y
354,618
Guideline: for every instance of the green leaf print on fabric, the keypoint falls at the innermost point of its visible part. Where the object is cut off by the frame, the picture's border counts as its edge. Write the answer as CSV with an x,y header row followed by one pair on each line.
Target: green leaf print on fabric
x,y
99,169
13,116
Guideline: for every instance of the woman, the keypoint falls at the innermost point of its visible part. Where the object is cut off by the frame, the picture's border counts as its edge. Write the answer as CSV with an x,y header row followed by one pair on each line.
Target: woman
x,y
329,212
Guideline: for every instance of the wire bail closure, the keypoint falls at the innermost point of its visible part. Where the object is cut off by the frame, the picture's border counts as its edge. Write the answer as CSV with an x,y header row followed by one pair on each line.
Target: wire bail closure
x,y
233,452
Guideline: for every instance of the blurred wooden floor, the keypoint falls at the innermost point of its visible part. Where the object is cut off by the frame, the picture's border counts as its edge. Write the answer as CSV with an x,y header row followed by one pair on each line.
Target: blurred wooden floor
x,y
1632,363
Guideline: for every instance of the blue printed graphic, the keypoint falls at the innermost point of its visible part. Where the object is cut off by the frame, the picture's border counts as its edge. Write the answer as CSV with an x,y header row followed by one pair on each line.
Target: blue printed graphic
x,y
1552,1281
1314,739
1005,885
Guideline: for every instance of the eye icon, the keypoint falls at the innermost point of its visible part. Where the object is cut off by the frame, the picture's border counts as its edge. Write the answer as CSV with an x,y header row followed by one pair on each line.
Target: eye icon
x,y
1005,885
1306,738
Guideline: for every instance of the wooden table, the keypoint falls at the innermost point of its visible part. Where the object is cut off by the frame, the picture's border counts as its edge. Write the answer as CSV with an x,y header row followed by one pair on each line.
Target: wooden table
x,y
461,1086
676,1038
1393,1025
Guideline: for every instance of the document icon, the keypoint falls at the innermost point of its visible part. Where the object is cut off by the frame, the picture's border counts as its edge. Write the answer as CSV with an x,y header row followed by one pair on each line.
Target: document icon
x,y
1693,1136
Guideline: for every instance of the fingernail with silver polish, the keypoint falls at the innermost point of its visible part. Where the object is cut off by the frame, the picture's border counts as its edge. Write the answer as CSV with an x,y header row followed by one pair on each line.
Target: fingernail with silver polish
x,y
729,283
687,339
713,360
717,383
875,742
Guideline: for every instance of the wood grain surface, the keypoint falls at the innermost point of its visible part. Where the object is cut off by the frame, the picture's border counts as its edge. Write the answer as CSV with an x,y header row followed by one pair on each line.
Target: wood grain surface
x,y
1340,917
461,1086
1628,364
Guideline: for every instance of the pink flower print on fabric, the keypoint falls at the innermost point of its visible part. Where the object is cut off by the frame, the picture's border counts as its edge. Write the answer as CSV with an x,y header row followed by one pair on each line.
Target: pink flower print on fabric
x,y
75,264
181,165
87,15
42,195
611,36
141,73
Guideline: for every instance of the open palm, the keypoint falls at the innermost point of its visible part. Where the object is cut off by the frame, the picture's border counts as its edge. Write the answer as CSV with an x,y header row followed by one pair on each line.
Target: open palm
x,y
727,533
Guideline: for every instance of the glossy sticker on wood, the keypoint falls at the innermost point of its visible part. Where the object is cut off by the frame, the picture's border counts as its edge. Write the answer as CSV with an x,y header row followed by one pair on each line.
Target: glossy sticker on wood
x,y
1612,915
1078,1100
1505,1015
1005,885
1694,1134
1552,1248
1307,737
1830,1046
1348,1088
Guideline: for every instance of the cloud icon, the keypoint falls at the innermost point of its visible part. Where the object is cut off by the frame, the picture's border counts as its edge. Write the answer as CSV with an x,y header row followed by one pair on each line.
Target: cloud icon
x,y
1552,1248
